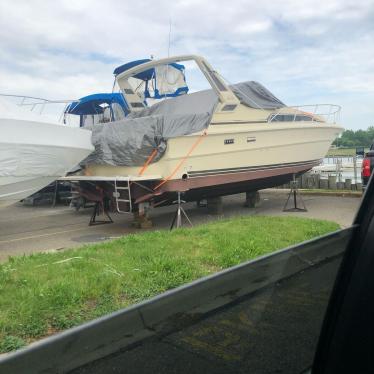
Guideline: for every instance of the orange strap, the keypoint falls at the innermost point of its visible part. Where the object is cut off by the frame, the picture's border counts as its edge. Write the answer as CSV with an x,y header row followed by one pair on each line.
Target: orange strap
x,y
149,160
198,140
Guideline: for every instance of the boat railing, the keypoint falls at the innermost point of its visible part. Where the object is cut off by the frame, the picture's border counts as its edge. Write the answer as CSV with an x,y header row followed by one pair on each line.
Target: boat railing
x,y
40,105
329,113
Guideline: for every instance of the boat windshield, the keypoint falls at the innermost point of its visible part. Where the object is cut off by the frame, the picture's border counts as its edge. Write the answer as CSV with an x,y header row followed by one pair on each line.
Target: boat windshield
x,y
166,81
156,83
109,113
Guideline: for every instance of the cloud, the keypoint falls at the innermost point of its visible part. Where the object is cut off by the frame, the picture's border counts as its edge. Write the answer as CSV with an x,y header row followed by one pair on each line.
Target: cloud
x,y
302,50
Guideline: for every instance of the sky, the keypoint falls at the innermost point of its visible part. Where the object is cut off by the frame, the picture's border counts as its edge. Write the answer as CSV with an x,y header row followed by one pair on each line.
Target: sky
x,y
304,51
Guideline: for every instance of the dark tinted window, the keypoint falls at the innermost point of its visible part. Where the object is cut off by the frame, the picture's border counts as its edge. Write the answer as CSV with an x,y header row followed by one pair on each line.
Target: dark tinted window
x,y
290,118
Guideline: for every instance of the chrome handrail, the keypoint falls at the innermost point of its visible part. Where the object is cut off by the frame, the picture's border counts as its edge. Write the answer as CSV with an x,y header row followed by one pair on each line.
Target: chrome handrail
x,y
320,112
35,102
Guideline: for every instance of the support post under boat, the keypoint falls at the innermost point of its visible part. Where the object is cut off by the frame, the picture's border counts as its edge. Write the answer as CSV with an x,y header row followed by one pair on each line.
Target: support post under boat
x,y
141,218
100,208
177,220
215,205
252,199
295,195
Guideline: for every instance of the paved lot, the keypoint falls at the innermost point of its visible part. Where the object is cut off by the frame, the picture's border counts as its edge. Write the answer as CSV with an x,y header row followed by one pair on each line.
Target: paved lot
x,y
26,229
273,331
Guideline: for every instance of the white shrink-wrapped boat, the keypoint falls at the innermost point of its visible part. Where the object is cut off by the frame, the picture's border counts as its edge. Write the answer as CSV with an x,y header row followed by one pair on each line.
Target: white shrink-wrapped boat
x,y
34,153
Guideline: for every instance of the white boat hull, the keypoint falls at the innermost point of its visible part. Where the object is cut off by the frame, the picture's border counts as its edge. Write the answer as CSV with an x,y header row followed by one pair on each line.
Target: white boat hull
x,y
17,188
231,158
250,145
33,154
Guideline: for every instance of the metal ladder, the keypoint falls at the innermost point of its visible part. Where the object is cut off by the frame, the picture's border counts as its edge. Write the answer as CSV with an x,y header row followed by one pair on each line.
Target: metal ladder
x,y
117,194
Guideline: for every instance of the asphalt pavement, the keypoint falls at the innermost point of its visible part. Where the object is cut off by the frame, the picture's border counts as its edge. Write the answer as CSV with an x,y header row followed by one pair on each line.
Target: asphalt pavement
x,y
26,229
274,330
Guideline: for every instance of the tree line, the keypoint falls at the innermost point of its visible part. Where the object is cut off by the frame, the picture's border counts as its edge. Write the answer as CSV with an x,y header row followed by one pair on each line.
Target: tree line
x,y
351,138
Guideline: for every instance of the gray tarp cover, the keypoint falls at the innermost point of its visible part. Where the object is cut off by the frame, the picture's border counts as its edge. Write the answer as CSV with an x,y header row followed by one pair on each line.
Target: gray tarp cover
x,y
130,142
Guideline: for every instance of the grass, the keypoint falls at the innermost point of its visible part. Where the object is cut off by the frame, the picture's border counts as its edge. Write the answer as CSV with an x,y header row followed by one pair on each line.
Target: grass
x,y
45,293
345,152
311,191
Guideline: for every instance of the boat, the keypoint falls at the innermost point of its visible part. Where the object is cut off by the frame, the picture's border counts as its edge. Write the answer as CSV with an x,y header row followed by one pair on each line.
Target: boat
x,y
225,140
34,151
338,166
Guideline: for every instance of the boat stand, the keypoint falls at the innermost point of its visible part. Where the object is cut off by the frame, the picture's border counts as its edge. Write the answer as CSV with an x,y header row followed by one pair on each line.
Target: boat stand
x,y
98,208
294,192
55,195
177,220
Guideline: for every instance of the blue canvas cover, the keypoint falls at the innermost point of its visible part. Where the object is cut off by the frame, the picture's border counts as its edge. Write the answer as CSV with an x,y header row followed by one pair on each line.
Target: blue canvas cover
x,y
144,75
91,104
152,79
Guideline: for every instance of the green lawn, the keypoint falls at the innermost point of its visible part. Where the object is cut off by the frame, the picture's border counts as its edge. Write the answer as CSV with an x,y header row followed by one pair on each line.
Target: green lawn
x,y
343,152
45,293
320,191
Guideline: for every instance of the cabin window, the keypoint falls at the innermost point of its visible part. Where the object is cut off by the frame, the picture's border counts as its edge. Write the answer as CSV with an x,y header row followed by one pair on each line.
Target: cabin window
x,y
290,118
